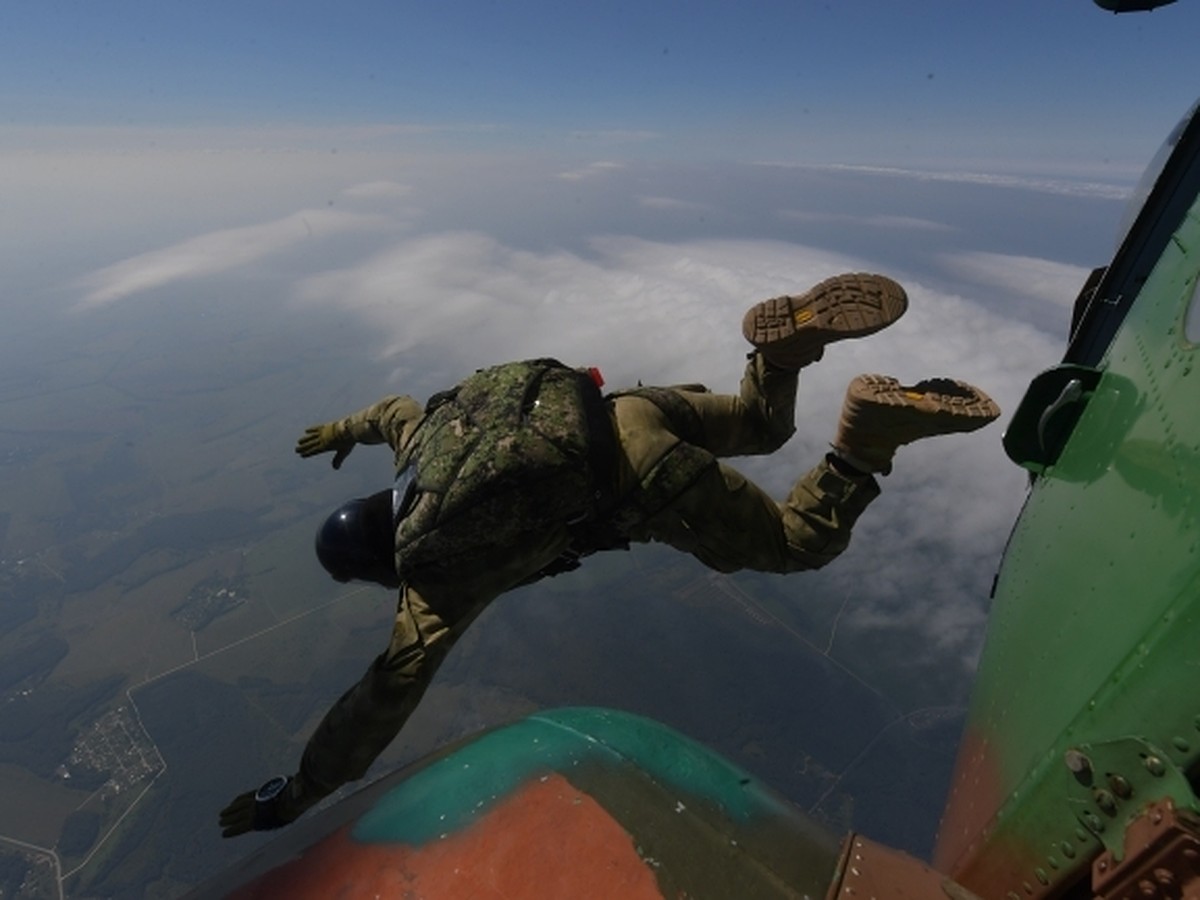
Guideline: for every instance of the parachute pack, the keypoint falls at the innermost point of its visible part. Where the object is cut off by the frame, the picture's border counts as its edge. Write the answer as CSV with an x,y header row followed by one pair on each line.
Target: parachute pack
x,y
511,451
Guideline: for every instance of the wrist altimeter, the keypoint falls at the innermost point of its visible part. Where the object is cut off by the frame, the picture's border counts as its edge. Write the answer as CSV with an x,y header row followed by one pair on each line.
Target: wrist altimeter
x,y
271,789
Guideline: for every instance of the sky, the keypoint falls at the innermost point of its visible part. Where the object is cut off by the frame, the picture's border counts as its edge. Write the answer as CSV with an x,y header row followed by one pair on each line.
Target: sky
x,y
413,190
950,82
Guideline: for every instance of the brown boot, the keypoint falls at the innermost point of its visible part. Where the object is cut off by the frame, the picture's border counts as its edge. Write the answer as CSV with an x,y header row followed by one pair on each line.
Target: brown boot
x,y
880,415
792,332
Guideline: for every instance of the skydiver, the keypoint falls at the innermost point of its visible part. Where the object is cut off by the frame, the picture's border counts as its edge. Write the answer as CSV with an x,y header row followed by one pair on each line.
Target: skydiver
x,y
525,468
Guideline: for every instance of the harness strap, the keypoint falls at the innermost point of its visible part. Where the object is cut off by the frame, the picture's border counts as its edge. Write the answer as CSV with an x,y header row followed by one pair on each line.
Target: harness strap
x,y
594,532
614,517
601,447
684,419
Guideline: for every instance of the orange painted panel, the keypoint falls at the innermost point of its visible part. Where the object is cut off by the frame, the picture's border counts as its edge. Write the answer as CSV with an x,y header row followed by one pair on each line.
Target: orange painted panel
x,y
546,840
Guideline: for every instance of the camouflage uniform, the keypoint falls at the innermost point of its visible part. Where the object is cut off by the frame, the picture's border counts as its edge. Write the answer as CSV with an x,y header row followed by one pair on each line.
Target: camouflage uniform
x,y
673,489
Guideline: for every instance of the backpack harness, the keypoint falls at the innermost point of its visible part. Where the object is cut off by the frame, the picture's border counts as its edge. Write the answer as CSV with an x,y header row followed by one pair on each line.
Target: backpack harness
x,y
521,447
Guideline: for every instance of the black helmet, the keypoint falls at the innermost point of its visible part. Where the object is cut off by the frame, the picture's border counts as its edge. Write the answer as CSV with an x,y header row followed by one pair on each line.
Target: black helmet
x,y
357,541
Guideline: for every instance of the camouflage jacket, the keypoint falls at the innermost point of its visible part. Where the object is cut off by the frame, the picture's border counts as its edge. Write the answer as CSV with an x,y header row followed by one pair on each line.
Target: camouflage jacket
x,y
510,451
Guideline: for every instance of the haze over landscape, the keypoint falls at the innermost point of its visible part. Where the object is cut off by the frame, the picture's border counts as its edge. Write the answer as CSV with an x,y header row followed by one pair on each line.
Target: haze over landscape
x,y
223,225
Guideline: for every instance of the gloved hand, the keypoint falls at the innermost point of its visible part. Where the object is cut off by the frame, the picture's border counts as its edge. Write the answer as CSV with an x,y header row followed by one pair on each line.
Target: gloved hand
x,y
277,803
323,439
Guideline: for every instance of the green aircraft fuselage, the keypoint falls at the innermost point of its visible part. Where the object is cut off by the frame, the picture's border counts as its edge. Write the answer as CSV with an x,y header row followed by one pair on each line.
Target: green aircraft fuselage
x,y
1084,711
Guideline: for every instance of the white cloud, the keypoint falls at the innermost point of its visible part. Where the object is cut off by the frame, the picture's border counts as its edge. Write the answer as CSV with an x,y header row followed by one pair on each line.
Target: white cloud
x,y
656,311
589,171
1057,186
670,203
217,251
671,312
1038,279
377,190
346,137
616,136
904,223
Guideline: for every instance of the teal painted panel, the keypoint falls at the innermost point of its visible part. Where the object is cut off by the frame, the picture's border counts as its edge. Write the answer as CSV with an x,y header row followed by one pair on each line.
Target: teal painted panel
x,y
458,788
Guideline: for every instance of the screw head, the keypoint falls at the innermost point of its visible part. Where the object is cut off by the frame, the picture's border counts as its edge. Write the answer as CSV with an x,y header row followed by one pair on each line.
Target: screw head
x,y
1120,786
1080,766
1106,801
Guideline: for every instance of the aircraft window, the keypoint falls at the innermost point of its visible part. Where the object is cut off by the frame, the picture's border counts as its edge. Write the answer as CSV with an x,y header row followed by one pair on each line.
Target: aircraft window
x,y
1166,192
1191,322
1150,176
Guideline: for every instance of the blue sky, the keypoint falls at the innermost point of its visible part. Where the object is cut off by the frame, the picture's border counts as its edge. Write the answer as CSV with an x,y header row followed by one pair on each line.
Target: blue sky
x,y
1017,82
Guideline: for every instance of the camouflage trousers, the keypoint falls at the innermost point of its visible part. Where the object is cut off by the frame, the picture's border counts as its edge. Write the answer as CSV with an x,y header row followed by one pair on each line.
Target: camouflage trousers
x,y
723,519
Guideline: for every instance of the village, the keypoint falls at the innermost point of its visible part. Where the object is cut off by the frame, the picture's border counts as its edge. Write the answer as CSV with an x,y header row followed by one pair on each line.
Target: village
x,y
117,745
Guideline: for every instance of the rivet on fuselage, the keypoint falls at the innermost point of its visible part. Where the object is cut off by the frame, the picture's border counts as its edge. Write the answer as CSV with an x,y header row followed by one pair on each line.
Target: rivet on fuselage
x,y
1180,743
1120,786
1106,801
1068,849
1165,879
1042,876
1154,766
1080,765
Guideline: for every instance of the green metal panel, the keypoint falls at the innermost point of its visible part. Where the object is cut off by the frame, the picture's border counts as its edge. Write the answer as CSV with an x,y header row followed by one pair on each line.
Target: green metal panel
x,y
1088,677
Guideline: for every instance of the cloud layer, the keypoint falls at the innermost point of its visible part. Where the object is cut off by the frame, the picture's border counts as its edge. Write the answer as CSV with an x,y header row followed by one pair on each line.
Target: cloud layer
x,y
1049,282
440,302
663,312
215,252
1057,186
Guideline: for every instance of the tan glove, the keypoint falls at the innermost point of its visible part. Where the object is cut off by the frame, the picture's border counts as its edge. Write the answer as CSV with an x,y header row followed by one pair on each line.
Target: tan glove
x,y
325,439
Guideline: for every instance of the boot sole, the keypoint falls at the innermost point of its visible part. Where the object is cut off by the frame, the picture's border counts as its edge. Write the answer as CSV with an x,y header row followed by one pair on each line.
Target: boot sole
x,y
941,406
796,329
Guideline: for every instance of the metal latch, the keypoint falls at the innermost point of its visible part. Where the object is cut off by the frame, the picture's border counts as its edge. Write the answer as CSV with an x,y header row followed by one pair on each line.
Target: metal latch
x,y
1048,413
